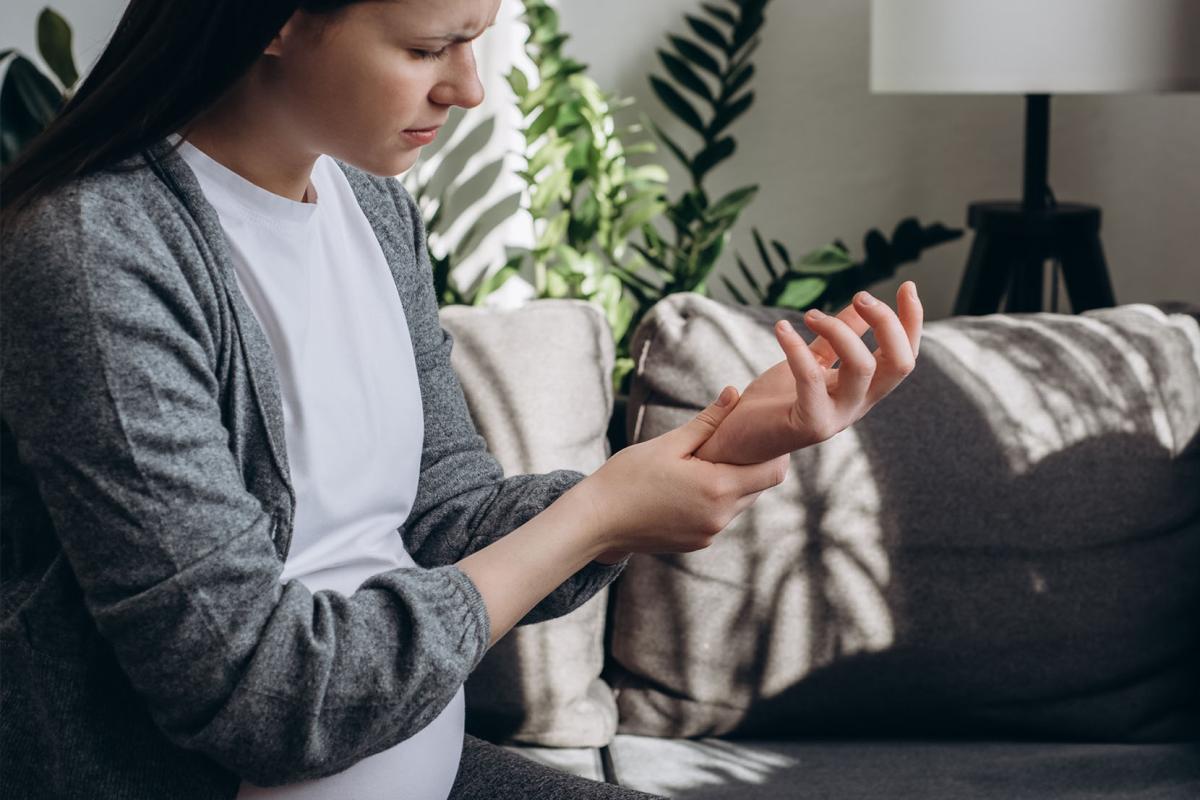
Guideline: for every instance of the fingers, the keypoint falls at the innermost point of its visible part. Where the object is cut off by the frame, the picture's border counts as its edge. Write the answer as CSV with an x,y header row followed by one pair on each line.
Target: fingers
x,y
894,358
911,317
746,480
898,337
858,365
823,350
688,438
810,376
912,314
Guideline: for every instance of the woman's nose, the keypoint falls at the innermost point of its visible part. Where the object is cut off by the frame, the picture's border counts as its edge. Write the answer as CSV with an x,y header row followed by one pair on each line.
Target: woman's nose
x,y
460,85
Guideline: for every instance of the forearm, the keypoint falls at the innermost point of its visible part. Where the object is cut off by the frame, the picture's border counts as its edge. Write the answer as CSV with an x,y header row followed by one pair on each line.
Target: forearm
x,y
514,573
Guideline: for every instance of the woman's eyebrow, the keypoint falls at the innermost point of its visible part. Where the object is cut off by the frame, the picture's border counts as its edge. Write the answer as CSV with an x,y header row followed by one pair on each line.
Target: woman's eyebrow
x,y
454,38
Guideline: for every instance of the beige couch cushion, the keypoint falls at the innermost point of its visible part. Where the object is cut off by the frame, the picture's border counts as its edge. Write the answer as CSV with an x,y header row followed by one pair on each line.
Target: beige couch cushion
x,y
1008,544
538,383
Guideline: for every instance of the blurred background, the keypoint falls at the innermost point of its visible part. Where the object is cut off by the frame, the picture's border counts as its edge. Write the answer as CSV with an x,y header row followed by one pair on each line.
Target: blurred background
x,y
833,160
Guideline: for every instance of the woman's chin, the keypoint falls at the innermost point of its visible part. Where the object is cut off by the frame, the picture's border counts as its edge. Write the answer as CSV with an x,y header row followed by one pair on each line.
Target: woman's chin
x,y
391,165
405,161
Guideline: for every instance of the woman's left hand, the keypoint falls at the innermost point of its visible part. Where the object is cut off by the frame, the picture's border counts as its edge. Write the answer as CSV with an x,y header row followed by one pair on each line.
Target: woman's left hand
x,y
803,400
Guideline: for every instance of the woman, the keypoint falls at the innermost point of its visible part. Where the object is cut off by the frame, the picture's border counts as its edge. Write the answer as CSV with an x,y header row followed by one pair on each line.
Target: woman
x,y
226,390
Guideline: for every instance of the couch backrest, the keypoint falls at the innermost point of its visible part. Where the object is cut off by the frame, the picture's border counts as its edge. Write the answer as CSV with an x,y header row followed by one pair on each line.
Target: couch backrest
x,y
1009,543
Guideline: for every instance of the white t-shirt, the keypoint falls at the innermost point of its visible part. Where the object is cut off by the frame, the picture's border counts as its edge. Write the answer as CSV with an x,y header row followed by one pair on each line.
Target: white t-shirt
x,y
317,280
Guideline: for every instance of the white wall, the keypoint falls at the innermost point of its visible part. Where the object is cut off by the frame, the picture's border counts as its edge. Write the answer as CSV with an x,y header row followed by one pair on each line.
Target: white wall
x,y
834,160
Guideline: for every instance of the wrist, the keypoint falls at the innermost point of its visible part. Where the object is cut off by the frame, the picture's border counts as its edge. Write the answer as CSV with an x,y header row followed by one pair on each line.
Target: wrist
x,y
589,522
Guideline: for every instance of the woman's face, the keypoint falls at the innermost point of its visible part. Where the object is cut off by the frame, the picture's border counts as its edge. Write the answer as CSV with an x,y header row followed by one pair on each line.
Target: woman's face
x,y
373,85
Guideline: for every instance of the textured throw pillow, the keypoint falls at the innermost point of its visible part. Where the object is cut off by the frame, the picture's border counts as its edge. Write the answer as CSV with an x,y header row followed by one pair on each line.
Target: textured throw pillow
x,y
538,382
1008,544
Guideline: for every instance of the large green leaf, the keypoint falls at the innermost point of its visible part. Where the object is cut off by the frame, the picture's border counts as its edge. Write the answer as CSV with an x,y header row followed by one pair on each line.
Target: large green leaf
x,y
733,290
654,261
677,104
696,55
731,205
638,215
536,98
720,13
518,81
40,97
801,293
705,261
585,220
554,232
636,283
686,76
17,125
749,276
743,57
825,260
579,155
54,44
737,79
672,145
541,123
746,30
650,173
782,251
766,256
707,32
10,146
551,152
729,114
711,156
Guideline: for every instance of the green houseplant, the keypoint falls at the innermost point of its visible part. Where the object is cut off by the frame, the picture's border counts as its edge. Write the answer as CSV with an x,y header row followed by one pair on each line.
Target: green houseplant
x,y
29,99
586,200
707,90
828,277
715,70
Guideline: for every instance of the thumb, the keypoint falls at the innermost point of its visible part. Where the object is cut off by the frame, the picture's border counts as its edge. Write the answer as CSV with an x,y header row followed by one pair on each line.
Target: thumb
x,y
690,436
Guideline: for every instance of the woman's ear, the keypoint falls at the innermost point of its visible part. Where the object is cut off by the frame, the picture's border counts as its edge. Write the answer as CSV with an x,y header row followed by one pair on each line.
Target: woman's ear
x,y
275,46
297,24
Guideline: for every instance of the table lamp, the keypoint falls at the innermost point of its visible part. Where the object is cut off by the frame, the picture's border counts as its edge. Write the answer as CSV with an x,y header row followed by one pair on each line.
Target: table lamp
x,y
1035,48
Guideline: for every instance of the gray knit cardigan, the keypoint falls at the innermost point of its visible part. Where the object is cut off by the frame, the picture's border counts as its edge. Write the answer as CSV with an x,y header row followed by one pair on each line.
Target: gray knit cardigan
x,y
148,647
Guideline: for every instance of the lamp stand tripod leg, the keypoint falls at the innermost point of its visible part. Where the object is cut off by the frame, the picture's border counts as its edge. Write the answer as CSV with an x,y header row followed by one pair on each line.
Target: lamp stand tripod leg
x,y
986,277
1028,275
1086,274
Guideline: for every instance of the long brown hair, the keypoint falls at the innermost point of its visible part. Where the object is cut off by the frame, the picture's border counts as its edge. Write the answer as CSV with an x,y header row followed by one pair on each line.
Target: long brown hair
x,y
166,63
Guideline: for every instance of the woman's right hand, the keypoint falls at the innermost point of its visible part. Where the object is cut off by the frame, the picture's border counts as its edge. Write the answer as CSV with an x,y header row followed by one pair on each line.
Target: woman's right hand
x,y
652,497
658,497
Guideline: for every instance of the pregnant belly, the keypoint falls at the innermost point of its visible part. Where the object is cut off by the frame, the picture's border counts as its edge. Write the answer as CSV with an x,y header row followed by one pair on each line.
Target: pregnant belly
x,y
422,767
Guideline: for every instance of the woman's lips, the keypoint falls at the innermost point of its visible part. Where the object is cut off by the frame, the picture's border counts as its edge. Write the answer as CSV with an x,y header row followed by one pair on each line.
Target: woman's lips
x,y
421,135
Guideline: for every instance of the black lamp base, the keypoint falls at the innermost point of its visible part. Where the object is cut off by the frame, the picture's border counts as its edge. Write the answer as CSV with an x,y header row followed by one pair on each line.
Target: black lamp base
x,y
1012,244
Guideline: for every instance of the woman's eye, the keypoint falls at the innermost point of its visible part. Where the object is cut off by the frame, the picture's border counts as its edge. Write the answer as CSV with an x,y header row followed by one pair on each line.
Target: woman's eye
x,y
430,55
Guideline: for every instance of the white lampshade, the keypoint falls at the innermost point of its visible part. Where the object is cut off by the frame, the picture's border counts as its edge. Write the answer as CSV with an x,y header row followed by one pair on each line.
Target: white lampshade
x,y
1035,46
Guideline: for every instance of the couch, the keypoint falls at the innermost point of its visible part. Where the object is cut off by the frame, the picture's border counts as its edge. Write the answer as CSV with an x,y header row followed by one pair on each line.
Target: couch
x,y
988,587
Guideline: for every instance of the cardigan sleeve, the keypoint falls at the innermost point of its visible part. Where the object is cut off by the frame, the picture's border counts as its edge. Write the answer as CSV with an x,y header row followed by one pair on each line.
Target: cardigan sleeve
x,y
463,501
109,387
